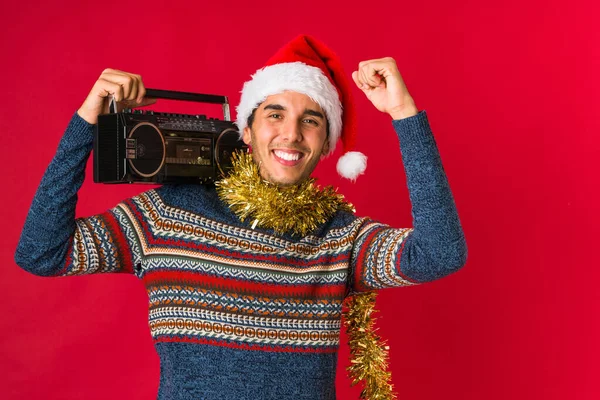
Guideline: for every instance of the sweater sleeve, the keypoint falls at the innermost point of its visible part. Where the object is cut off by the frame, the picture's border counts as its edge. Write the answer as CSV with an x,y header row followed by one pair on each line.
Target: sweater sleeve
x,y
53,242
384,257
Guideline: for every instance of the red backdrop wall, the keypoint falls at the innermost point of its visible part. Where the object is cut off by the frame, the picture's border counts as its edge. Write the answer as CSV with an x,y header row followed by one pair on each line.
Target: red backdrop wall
x,y
511,91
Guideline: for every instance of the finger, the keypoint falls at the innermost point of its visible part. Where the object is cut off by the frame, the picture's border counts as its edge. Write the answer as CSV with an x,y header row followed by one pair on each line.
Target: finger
x,y
359,81
371,74
135,88
362,74
106,88
126,80
141,90
146,101
130,83
130,86
356,80
113,71
363,77
386,67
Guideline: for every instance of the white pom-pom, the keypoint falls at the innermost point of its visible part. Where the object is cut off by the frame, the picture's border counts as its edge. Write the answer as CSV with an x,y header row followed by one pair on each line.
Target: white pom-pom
x,y
352,164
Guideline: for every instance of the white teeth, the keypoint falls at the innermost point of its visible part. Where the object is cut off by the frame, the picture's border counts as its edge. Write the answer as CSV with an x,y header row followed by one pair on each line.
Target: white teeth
x,y
287,156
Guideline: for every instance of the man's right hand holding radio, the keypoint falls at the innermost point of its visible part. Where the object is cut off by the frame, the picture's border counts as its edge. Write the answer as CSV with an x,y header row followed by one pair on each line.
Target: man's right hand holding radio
x,y
127,89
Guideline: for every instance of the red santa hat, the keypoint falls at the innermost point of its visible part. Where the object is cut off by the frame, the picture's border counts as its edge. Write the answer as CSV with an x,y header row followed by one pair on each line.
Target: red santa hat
x,y
307,66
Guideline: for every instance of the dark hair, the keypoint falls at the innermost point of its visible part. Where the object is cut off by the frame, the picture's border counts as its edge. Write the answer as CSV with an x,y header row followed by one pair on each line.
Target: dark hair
x,y
251,120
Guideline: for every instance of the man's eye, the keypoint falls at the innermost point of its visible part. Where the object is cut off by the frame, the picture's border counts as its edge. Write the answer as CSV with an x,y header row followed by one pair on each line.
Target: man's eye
x,y
275,115
312,121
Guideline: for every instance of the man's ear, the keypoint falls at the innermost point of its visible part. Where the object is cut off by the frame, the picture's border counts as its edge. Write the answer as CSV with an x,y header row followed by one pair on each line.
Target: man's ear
x,y
325,149
247,136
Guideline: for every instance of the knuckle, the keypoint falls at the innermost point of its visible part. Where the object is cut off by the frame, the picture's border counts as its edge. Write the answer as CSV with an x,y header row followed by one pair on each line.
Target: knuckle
x,y
101,84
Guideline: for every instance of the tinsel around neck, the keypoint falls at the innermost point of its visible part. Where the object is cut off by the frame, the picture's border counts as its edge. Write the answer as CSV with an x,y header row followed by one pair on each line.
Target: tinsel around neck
x,y
297,209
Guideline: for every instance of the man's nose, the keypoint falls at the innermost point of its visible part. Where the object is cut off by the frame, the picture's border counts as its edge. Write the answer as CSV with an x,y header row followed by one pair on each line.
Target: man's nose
x,y
292,131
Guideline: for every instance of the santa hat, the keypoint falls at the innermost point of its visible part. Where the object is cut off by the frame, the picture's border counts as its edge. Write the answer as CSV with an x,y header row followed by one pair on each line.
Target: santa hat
x,y
307,66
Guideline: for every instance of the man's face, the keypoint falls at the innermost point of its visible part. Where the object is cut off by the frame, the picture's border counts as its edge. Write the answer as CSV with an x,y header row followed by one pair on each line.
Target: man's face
x,y
288,137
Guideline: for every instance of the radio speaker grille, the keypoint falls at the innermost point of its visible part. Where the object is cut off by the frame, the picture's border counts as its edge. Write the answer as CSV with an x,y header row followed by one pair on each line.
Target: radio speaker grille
x,y
109,149
150,149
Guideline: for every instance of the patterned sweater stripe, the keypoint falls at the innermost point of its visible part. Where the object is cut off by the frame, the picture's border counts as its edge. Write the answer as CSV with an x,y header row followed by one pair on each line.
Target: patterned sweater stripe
x,y
254,310
377,258
164,236
244,346
122,247
98,245
243,286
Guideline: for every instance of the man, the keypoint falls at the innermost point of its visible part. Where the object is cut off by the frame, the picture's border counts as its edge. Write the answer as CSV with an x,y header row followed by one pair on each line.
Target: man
x,y
246,279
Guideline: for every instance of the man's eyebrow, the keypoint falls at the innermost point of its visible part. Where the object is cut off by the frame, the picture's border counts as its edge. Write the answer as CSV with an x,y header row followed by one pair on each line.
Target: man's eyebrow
x,y
314,113
274,107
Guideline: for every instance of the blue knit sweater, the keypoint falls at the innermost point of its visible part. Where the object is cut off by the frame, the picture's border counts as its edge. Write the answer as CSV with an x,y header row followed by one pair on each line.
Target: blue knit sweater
x,y
235,312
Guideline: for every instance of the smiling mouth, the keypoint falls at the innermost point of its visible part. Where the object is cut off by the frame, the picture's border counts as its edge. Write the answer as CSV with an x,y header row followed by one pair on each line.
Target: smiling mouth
x,y
288,157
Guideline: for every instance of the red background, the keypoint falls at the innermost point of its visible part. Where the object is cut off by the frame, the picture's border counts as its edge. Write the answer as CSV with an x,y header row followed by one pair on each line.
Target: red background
x,y
512,96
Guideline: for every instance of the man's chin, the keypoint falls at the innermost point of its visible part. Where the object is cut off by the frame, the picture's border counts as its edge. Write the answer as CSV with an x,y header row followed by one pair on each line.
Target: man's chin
x,y
287,184
284,181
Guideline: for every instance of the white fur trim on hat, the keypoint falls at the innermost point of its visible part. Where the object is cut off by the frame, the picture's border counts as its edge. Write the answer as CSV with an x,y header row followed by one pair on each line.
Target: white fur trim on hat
x,y
296,77
352,164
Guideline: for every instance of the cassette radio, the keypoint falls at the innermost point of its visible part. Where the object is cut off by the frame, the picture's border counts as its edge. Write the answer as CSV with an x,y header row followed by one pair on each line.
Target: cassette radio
x,y
144,146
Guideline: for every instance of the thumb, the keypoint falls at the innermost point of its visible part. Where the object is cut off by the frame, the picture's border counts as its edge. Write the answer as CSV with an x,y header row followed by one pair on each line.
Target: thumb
x,y
121,105
357,82
146,101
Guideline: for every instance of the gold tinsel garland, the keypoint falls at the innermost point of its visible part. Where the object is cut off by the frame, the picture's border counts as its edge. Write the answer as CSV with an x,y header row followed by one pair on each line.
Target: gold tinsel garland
x,y
300,209
368,352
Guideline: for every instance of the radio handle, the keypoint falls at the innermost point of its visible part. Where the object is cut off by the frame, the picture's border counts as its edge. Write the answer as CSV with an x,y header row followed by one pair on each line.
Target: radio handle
x,y
184,96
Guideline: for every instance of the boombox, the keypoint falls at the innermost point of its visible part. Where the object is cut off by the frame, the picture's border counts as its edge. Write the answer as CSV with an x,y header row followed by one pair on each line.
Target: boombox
x,y
143,146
